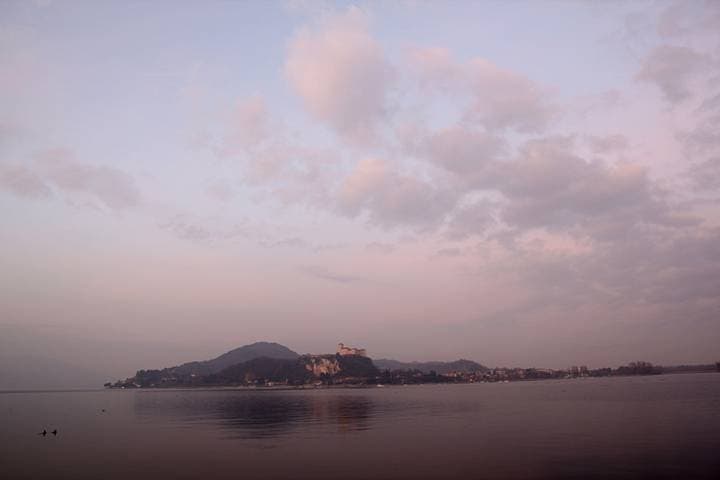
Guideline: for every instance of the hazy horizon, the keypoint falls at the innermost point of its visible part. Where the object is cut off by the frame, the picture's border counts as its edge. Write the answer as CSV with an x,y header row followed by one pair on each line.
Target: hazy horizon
x,y
515,183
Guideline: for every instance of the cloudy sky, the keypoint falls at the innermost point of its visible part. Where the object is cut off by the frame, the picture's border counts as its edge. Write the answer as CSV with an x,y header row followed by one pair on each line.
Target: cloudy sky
x,y
520,183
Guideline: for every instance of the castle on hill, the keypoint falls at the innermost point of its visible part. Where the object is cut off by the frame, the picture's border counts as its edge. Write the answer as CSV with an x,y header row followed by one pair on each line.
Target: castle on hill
x,y
343,349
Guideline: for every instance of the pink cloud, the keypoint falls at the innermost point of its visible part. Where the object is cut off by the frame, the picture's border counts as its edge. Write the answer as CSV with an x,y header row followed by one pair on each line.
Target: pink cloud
x,y
391,197
110,186
671,68
23,182
340,73
500,99
248,126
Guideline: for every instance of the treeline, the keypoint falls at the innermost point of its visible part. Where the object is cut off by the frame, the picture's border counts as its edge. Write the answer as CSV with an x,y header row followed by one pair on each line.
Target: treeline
x,y
258,371
638,368
361,370
643,368
710,367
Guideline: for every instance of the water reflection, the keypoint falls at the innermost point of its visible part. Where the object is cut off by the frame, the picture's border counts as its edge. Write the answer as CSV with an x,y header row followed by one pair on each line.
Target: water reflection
x,y
619,428
348,413
258,415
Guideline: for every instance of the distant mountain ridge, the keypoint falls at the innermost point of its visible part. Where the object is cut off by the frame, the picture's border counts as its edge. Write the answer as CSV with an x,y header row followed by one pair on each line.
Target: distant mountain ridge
x,y
263,363
300,370
442,368
233,357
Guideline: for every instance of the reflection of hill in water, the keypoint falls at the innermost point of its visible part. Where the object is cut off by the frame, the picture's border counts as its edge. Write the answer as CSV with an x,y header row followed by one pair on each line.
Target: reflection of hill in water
x,y
255,415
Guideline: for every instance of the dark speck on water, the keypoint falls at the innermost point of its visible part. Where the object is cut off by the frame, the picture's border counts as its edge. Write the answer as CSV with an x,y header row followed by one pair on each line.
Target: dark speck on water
x,y
604,428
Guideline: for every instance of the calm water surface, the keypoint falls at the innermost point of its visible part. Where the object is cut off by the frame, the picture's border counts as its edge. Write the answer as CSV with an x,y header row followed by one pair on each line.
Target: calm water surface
x,y
649,427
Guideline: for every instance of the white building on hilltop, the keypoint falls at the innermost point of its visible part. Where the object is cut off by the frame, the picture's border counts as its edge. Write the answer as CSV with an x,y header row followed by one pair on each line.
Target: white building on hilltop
x,y
342,349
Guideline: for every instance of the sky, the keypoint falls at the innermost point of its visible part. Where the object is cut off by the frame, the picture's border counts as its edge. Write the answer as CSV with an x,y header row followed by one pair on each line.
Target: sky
x,y
518,183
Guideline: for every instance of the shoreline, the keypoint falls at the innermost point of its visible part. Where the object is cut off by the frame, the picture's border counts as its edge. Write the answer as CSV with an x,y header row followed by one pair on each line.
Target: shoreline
x,y
274,388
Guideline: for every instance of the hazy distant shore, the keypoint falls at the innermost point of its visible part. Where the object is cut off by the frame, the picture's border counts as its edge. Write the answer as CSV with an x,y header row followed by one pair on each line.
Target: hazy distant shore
x,y
388,385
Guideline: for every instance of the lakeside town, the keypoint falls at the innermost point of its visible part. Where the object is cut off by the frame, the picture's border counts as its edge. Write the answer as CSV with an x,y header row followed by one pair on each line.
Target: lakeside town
x,y
266,364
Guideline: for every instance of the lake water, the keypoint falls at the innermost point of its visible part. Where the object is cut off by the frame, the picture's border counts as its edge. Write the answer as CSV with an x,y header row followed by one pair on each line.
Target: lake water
x,y
645,427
